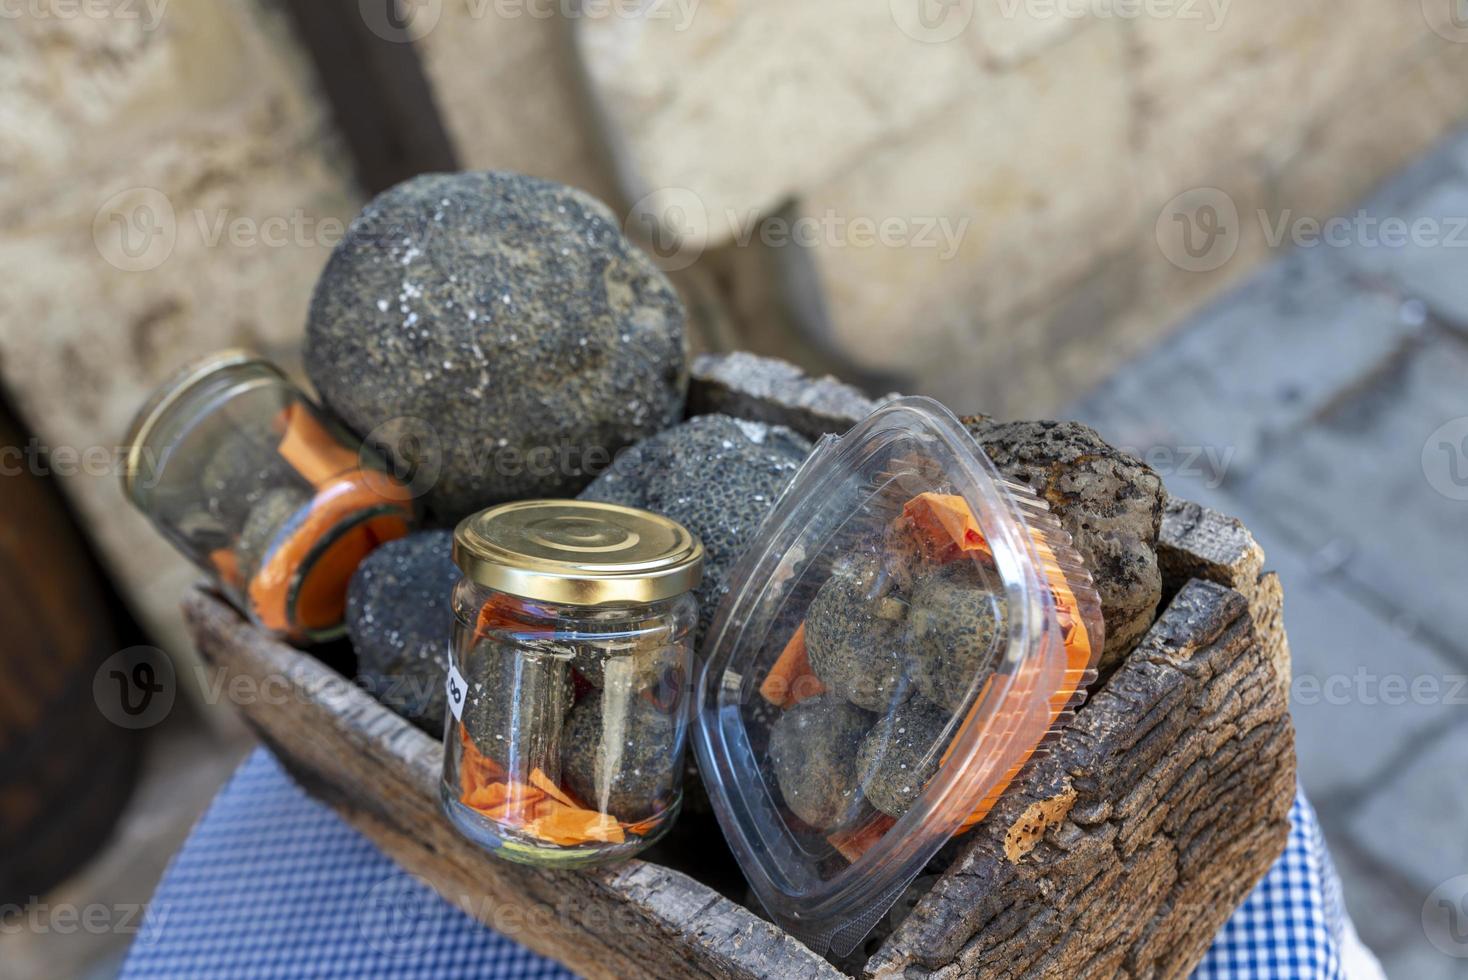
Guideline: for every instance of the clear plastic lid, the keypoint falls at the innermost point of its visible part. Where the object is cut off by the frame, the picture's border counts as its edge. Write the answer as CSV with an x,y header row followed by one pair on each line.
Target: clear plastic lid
x,y
902,635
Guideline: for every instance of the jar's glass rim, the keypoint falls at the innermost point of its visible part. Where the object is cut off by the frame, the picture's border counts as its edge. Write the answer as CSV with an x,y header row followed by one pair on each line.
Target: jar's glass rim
x,y
170,392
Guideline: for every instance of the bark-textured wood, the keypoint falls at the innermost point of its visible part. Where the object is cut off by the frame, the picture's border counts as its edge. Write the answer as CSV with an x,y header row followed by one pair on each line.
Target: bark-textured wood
x,y
767,389
382,774
1129,844
1200,543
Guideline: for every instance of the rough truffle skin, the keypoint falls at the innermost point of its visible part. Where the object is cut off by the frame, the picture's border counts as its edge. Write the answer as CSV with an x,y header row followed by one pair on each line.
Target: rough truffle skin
x,y
955,631
856,634
1109,501
618,754
516,704
717,476
510,315
901,753
639,666
399,618
267,519
238,474
813,751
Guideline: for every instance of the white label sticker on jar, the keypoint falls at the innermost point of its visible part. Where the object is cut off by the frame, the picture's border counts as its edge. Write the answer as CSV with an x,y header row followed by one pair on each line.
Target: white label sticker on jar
x,y
456,690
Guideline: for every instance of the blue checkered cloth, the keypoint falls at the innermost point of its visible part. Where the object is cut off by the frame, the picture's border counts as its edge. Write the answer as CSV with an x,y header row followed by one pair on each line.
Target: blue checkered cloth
x,y
273,884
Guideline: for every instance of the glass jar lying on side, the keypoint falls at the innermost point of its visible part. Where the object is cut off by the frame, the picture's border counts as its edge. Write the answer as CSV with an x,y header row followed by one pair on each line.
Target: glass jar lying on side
x,y
570,666
252,483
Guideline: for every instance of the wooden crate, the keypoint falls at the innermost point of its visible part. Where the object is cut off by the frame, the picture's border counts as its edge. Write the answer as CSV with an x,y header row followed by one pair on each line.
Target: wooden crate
x,y
1120,853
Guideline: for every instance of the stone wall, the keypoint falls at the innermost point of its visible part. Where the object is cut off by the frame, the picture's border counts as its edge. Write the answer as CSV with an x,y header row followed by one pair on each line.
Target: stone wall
x,y
988,199
169,184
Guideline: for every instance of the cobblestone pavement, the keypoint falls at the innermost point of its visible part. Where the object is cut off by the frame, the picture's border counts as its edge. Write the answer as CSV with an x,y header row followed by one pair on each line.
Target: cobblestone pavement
x,y
1325,402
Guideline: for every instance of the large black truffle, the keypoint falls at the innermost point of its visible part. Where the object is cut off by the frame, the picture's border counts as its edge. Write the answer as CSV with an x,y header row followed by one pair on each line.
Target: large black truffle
x,y
717,476
619,754
399,618
855,632
901,754
956,630
507,325
813,751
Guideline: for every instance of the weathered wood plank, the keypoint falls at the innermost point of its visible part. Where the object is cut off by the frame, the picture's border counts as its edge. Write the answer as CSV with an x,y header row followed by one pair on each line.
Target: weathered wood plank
x,y
1201,543
382,774
1130,843
767,389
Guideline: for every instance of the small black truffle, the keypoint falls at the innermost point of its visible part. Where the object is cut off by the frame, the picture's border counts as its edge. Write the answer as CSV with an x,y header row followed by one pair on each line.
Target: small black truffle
x,y
855,631
813,752
241,471
620,754
266,526
635,657
399,619
956,631
516,704
901,754
1109,502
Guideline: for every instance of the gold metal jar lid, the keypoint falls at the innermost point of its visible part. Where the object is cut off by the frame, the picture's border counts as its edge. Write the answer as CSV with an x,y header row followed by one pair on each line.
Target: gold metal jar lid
x,y
168,394
578,552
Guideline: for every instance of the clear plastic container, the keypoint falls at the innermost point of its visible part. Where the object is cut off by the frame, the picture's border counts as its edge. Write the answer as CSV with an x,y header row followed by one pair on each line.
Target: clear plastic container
x,y
900,638
256,486
571,667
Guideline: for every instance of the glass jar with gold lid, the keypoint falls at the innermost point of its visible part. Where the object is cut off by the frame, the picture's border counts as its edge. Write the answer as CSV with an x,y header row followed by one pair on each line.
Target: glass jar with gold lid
x,y
568,679
253,483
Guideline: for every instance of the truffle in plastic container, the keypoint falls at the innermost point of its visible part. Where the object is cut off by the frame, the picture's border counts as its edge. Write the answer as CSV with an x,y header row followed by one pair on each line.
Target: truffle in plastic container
x,y
902,635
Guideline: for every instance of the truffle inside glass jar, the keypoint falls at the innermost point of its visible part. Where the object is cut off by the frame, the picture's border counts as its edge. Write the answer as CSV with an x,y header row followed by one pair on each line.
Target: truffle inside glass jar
x,y
249,480
567,746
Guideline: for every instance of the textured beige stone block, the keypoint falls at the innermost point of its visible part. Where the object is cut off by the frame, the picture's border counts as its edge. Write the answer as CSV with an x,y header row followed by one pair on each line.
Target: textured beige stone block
x,y
1008,31
1251,80
717,118
1382,127
505,80
166,190
1003,201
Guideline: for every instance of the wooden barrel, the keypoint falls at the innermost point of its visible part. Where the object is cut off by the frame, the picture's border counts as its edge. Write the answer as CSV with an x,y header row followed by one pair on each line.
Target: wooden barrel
x,y
65,770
